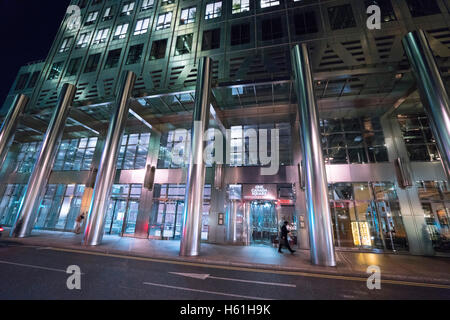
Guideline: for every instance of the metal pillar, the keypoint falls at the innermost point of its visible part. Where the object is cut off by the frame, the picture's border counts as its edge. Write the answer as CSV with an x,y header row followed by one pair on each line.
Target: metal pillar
x,y
432,91
317,202
192,217
29,207
231,222
9,126
108,164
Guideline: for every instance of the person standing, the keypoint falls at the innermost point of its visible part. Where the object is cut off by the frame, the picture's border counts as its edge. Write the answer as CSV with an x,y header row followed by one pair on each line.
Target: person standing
x,y
284,241
79,222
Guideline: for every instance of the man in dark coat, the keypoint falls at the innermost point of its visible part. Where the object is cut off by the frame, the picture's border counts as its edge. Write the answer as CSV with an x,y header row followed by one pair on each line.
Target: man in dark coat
x,y
284,241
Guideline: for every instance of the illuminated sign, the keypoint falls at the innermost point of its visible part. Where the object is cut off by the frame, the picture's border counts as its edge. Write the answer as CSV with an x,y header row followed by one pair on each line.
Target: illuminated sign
x,y
361,234
260,192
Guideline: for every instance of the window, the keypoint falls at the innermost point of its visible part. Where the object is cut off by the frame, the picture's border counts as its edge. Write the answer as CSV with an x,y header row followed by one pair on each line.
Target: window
x,y
272,29
127,9
341,17
188,15
135,54
22,82
240,34
142,26
420,8
133,151
158,49
184,44
418,137
269,3
213,10
112,61
240,6
92,16
75,154
108,14
66,44
166,2
55,71
74,66
211,40
353,141
27,157
305,23
83,41
60,207
10,203
121,31
33,80
147,4
101,36
92,63
164,21
387,12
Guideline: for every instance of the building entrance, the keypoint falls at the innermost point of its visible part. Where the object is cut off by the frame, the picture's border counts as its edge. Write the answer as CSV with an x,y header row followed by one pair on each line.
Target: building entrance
x,y
169,221
264,222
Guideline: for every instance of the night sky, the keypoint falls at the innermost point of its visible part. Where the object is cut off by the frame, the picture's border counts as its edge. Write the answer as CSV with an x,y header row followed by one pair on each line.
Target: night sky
x,y
27,28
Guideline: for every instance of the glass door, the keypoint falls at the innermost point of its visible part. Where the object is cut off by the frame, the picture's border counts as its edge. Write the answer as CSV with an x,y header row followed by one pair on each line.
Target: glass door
x,y
115,217
264,222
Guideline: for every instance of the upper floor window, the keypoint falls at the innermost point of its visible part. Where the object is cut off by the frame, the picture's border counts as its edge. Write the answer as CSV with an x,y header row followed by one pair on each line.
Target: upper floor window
x,y
91,18
121,31
22,82
133,152
184,44
112,61
34,79
420,8
213,10
55,71
159,48
166,2
240,34
92,63
240,6
305,22
66,44
27,156
108,14
211,39
135,54
101,36
75,155
269,3
83,40
142,26
188,15
164,21
272,29
127,9
147,4
341,17
73,67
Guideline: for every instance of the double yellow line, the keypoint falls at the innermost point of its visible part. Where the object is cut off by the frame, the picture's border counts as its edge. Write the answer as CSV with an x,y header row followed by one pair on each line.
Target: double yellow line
x,y
289,273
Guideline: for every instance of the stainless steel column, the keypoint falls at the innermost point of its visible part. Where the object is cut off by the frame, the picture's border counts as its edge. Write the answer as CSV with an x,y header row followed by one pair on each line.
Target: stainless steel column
x,y
432,91
9,126
317,202
28,209
95,225
192,218
231,222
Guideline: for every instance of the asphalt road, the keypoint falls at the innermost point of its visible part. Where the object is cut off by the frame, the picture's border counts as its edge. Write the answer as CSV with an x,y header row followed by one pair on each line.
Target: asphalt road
x,y
40,273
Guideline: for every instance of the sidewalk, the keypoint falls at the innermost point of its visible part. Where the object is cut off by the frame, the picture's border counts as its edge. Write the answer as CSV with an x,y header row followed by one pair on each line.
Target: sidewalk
x,y
393,267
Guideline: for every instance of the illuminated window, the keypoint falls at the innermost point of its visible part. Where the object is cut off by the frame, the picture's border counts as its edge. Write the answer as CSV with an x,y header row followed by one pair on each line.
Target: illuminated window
x,y
127,9
147,4
91,18
83,41
133,152
213,10
269,3
27,157
240,6
164,21
121,31
75,155
101,36
66,44
184,44
188,15
142,26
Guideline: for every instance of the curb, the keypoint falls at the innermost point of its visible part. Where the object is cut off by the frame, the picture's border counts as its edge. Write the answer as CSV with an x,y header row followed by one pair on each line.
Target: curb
x,y
263,267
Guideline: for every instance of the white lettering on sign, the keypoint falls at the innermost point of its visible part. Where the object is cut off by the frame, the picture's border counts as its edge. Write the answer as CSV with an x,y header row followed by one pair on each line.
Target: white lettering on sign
x,y
259,191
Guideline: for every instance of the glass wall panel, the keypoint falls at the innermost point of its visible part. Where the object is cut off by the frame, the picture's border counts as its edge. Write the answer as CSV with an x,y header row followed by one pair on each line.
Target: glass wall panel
x,y
10,203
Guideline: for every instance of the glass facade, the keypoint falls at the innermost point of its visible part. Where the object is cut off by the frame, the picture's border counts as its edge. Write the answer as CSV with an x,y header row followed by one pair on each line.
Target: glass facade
x,y
10,203
75,155
133,152
27,157
353,141
123,209
166,221
60,207
435,199
367,216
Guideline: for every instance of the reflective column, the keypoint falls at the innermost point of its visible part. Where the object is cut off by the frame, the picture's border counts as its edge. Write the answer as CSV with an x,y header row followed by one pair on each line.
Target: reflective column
x,y
432,91
9,126
192,217
317,202
29,207
94,230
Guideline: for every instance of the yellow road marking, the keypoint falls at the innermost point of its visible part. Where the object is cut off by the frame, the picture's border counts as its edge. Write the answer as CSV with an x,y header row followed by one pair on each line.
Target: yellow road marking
x,y
279,272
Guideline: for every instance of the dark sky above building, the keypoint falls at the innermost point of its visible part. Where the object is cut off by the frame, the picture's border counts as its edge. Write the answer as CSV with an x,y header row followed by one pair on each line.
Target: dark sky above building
x,y
27,30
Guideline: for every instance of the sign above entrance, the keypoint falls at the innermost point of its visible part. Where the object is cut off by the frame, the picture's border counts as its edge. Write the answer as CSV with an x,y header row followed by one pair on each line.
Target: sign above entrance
x,y
260,192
